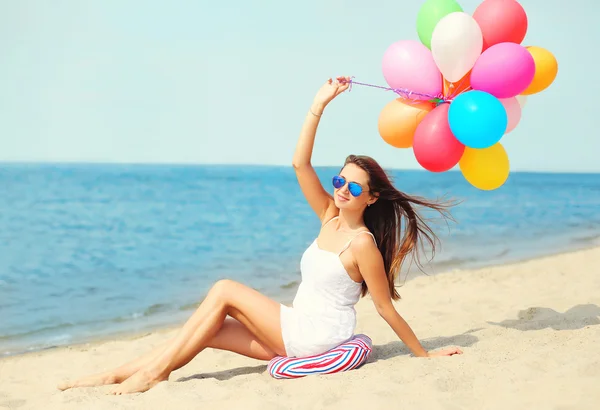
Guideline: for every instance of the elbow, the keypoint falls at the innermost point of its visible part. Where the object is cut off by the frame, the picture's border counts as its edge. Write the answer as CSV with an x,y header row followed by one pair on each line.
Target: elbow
x,y
384,309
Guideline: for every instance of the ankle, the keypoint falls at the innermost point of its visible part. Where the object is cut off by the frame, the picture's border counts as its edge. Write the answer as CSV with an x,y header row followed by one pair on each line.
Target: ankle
x,y
116,378
159,370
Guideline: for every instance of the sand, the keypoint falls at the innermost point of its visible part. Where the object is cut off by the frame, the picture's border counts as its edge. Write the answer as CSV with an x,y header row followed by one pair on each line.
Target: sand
x,y
530,334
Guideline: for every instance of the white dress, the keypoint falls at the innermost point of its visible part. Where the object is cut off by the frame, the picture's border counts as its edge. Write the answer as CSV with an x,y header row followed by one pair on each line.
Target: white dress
x,y
323,314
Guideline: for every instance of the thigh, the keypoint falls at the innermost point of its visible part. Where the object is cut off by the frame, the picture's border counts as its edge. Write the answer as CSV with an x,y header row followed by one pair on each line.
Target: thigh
x,y
235,337
258,313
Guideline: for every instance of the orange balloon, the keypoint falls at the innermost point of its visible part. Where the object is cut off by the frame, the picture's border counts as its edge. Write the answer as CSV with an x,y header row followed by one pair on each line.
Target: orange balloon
x,y
399,119
546,68
452,90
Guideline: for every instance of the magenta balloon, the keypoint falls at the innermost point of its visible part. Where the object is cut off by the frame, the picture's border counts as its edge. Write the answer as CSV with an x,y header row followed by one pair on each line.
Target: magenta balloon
x,y
408,64
503,70
436,148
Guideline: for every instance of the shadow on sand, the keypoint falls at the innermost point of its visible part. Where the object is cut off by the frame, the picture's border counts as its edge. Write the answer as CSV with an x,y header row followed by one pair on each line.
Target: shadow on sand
x,y
536,318
397,348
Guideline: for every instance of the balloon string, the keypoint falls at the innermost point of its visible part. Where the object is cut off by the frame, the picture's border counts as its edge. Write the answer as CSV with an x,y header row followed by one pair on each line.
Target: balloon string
x,y
455,93
405,93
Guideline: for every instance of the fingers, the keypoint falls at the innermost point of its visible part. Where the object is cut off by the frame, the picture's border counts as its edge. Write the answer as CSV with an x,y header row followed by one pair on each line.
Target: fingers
x,y
339,85
343,88
450,351
343,84
341,80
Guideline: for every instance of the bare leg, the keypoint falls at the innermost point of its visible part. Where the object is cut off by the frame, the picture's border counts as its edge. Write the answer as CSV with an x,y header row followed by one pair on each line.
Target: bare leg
x,y
233,336
116,375
256,312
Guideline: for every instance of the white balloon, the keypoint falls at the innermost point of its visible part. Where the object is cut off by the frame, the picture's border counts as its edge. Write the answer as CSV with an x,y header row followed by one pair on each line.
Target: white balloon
x,y
522,99
456,43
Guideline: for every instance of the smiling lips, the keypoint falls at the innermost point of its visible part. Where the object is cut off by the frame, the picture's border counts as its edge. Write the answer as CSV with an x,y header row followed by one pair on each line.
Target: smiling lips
x,y
342,198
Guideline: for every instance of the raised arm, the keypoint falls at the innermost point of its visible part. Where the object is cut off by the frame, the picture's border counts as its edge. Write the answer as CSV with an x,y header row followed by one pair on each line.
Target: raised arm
x,y
319,200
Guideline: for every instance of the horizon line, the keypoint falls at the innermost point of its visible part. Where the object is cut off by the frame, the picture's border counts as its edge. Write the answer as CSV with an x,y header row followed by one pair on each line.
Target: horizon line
x,y
258,165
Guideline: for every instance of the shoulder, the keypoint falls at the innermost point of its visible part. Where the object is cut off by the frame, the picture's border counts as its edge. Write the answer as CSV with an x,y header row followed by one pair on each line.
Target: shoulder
x,y
363,245
368,257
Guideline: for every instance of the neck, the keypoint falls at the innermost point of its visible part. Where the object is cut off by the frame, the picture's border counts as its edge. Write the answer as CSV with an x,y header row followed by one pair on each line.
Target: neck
x,y
350,220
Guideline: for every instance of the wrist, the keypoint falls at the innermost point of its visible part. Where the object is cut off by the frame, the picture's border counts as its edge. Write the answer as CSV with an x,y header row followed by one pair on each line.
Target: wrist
x,y
422,353
317,108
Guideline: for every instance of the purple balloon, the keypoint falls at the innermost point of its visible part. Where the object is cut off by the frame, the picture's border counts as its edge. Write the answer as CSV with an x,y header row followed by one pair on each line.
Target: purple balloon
x,y
408,64
503,70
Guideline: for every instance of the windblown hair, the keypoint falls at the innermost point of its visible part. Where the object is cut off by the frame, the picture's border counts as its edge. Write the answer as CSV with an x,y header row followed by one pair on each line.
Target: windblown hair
x,y
385,219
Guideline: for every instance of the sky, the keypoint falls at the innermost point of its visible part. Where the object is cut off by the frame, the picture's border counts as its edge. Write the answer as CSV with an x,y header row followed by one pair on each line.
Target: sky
x,y
230,82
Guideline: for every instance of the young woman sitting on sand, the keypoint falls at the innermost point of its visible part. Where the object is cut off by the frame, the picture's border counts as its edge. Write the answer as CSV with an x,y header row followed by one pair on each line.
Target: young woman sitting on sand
x,y
360,248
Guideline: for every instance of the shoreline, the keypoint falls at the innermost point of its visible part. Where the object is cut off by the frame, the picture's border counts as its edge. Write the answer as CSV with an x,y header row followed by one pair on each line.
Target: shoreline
x,y
90,342
74,288
529,333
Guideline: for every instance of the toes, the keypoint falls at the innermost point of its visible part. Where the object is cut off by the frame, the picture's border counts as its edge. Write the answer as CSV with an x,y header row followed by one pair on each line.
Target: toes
x,y
64,385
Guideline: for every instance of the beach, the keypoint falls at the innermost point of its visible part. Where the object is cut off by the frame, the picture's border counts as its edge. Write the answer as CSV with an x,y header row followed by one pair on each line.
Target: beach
x,y
96,251
529,331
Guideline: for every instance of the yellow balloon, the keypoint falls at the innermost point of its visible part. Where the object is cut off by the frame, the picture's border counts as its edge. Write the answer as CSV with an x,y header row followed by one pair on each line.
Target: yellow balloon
x,y
486,168
546,68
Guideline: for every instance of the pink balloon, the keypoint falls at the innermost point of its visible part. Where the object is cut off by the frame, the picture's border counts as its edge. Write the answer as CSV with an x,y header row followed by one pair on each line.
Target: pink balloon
x,y
408,64
513,112
501,21
436,148
503,70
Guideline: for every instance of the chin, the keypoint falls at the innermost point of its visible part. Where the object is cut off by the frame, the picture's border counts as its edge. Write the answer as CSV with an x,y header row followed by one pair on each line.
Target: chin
x,y
340,205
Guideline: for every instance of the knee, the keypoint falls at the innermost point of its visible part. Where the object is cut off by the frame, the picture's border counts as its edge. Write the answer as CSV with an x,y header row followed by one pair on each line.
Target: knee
x,y
222,289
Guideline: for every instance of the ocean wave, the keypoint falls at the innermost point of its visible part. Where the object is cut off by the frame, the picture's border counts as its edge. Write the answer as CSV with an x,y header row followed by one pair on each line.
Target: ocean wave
x,y
152,310
589,239
46,329
290,285
156,309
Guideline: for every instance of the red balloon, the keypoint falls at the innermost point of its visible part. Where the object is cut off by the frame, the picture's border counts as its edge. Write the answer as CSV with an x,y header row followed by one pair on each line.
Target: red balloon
x,y
436,148
501,21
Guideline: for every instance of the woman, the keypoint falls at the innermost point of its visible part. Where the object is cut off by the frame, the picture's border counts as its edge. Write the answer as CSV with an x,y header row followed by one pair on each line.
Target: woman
x,y
358,250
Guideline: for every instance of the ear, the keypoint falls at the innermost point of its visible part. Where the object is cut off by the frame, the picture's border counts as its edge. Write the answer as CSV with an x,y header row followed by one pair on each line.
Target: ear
x,y
373,199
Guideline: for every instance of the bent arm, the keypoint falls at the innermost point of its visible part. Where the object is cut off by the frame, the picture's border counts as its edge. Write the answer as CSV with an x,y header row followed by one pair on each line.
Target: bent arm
x,y
370,263
402,329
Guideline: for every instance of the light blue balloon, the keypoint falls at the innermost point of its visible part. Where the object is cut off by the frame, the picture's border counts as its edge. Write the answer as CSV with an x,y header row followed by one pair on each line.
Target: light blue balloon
x,y
477,119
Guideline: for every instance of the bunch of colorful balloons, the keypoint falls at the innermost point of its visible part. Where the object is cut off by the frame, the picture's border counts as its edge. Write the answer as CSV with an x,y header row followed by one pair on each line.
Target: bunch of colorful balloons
x,y
462,87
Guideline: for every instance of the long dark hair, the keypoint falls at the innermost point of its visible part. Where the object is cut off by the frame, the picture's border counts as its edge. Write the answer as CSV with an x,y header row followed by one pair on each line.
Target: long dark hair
x,y
384,219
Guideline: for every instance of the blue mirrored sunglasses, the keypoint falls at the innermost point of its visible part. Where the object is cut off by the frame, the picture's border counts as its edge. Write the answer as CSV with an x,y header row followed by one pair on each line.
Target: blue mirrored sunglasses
x,y
354,187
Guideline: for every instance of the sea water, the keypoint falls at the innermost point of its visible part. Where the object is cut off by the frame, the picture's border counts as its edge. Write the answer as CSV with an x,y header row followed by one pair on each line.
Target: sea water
x,y
88,251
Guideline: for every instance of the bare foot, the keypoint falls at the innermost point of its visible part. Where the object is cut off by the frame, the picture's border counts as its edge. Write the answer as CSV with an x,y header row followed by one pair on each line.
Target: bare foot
x,y
143,380
100,379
